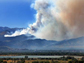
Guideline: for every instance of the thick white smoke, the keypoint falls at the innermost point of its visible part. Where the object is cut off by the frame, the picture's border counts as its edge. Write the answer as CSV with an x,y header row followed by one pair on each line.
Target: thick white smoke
x,y
57,19
17,33
48,24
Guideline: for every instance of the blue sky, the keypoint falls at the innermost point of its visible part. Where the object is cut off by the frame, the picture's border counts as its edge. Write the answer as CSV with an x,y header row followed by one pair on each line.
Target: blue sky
x,y
16,13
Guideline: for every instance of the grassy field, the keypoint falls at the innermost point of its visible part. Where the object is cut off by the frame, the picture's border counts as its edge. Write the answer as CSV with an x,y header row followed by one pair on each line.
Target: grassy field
x,y
38,61
35,61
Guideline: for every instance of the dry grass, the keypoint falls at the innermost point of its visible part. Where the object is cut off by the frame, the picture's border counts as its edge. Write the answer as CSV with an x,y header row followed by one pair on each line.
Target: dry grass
x,y
30,61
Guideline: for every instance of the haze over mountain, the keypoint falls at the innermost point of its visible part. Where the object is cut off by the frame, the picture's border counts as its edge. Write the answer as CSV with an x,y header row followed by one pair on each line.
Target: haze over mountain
x,y
30,42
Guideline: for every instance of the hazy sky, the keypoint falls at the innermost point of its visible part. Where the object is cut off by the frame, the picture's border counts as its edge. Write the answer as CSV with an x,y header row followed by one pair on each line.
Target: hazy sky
x,y
16,13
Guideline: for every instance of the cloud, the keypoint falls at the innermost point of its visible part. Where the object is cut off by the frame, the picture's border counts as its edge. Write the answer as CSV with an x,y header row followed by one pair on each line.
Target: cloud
x,y
58,19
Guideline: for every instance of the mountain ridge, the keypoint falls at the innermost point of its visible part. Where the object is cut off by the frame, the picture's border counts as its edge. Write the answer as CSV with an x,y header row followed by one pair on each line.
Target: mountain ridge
x,y
30,42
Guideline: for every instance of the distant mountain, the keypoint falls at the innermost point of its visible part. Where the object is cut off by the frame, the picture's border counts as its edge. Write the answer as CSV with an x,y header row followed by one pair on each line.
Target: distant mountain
x,y
24,42
72,44
5,30
29,42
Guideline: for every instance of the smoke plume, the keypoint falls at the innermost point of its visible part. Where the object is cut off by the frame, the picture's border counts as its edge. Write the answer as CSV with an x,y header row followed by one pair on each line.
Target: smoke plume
x,y
17,33
58,19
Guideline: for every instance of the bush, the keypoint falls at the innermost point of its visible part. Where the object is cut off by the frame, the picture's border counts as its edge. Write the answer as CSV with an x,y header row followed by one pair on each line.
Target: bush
x,y
18,61
5,62
40,62
54,62
76,61
1,60
35,62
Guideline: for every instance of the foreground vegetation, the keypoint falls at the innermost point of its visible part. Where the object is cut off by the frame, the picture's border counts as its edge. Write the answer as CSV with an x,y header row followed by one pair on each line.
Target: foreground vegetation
x,y
69,59
63,59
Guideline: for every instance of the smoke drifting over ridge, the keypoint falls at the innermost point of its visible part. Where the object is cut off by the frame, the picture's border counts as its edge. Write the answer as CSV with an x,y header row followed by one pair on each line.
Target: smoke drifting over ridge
x,y
58,19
